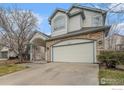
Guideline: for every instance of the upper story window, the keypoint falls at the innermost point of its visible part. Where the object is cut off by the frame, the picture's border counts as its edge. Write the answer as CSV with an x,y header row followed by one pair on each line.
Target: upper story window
x,y
59,23
97,21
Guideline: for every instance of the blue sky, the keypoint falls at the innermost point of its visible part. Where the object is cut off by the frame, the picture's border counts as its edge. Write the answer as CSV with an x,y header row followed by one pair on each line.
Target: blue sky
x,y
44,10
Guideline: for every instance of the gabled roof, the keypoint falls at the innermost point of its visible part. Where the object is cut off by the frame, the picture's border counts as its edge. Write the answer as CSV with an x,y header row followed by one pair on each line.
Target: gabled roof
x,y
57,10
4,49
77,13
87,8
47,36
75,6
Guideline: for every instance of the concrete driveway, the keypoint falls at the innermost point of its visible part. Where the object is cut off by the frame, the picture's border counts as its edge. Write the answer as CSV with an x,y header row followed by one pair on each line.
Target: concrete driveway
x,y
54,74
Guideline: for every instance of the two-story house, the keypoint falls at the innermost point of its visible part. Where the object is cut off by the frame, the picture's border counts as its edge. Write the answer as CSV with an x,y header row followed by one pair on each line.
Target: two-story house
x,y
78,35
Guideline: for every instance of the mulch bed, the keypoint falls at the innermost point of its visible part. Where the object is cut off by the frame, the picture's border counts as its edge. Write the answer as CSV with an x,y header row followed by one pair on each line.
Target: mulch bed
x,y
15,61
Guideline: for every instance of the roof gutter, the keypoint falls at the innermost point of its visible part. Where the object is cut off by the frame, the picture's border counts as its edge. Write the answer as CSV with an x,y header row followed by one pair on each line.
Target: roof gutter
x,y
79,33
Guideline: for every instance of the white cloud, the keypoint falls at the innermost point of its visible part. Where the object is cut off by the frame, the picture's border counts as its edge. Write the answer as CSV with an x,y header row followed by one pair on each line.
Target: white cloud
x,y
39,18
117,28
120,28
96,6
116,8
92,5
42,23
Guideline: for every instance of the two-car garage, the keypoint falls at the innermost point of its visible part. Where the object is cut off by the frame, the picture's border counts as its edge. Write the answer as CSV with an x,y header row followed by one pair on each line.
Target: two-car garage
x,y
77,50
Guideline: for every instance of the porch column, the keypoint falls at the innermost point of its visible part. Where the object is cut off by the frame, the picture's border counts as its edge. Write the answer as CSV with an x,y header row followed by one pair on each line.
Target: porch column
x,y
45,53
31,54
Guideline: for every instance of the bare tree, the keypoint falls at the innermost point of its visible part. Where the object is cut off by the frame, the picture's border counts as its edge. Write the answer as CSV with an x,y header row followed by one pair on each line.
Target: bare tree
x,y
16,27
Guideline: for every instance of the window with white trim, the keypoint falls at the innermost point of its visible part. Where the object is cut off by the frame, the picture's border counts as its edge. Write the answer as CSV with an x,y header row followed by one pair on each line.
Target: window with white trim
x,y
59,23
4,54
97,21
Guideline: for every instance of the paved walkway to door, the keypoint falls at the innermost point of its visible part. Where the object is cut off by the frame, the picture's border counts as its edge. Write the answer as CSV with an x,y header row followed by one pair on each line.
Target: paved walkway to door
x,y
54,74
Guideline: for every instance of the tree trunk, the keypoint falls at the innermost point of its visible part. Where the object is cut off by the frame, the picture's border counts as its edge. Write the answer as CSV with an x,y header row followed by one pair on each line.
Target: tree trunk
x,y
20,56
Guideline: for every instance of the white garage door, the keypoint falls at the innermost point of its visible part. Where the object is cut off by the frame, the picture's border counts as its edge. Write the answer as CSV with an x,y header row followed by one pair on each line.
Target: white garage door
x,y
74,53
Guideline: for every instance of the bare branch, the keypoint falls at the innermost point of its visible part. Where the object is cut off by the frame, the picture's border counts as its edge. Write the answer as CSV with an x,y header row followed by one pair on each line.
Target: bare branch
x,y
16,27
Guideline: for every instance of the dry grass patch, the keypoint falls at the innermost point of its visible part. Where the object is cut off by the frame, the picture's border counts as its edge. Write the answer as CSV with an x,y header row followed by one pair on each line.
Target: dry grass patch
x,y
10,68
111,76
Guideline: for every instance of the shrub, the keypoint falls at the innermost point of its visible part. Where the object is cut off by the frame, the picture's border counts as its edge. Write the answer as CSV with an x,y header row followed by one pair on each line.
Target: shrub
x,y
111,58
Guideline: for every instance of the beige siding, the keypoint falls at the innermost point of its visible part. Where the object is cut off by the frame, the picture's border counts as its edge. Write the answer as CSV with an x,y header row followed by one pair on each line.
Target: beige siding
x,y
61,31
75,23
88,22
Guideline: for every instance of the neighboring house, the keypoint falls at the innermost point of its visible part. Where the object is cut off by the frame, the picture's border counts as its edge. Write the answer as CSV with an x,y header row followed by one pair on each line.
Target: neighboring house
x,y
6,53
78,35
115,42
35,48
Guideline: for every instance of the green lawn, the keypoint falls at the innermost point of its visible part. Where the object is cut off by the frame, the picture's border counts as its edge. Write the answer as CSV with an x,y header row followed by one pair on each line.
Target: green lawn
x,y
111,77
9,68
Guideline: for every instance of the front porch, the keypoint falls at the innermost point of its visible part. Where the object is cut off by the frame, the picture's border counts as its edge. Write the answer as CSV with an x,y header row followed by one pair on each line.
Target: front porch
x,y
37,48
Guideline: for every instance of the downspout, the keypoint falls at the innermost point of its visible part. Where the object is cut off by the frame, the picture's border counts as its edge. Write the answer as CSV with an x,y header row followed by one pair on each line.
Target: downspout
x,y
104,18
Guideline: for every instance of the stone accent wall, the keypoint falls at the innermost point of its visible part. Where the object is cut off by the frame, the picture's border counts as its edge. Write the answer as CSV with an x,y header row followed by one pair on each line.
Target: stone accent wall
x,y
98,36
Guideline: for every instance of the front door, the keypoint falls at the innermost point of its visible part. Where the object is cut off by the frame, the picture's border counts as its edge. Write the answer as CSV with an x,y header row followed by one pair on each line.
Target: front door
x,y
39,53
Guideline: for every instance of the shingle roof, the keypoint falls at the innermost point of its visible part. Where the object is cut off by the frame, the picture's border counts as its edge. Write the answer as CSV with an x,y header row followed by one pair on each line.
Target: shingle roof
x,y
88,8
83,30
74,6
31,36
60,10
